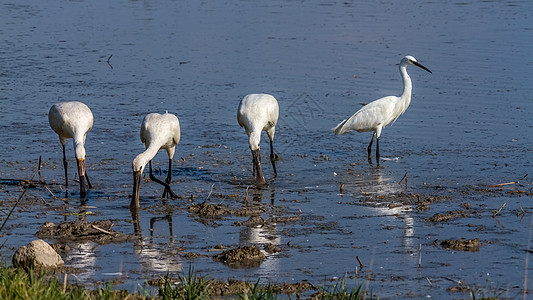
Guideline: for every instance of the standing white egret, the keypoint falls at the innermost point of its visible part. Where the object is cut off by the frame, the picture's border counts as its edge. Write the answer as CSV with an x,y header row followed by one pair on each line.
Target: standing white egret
x,y
379,113
73,120
256,113
157,132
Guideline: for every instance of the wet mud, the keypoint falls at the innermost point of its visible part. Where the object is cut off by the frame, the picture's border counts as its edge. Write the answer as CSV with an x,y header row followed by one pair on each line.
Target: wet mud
x,y
100,232
463,245
241,257
231,210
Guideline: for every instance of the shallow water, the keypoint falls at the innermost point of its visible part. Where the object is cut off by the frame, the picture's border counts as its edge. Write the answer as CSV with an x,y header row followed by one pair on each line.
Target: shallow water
x,y
469,126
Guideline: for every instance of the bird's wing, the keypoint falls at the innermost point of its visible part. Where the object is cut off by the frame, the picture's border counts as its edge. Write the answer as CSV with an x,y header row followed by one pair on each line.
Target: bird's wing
x,y
176,130
144,134
339,128
368,117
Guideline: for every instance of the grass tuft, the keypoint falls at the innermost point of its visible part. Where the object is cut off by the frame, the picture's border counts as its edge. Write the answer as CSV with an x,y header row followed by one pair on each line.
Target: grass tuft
x,y
340,292
189,287
259,293
18,284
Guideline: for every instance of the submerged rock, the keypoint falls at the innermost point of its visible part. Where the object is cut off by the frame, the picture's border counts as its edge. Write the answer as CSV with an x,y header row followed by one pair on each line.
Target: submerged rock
x,y
37,254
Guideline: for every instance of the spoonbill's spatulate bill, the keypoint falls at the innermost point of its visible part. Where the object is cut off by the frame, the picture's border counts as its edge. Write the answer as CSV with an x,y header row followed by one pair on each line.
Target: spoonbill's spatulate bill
x,y
72,120
379,113
256,113
157,132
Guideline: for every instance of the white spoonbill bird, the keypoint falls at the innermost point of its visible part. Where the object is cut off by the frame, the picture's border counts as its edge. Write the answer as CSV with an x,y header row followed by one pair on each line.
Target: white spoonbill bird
x,y
157,132
256,113
73,120
379,113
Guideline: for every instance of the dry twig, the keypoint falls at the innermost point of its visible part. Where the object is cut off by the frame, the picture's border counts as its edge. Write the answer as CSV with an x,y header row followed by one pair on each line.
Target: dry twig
x,y
102,230
404,178
419,255
494,215
504,184
246,199
360,263
55,198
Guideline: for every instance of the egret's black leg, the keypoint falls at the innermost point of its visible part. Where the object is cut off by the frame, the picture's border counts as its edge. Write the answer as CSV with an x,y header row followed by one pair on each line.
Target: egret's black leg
x,y
65,166
273,158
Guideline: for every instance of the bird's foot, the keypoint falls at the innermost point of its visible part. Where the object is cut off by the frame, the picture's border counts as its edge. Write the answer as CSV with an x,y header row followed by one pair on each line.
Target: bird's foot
x,y
168,191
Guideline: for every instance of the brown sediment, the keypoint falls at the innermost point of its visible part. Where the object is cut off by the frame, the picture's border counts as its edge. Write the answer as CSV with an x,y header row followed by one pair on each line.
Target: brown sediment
x,y
97,231
450,215
241,257
462,244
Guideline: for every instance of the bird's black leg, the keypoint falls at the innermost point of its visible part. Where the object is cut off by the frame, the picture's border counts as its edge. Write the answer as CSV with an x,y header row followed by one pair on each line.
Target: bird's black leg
x,y
88,181
167,187
377,151
65,165
169,177
273,159
370,145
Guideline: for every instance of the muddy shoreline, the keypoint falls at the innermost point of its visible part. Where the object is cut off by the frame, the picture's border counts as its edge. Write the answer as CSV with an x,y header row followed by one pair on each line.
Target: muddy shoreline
x,y
247,213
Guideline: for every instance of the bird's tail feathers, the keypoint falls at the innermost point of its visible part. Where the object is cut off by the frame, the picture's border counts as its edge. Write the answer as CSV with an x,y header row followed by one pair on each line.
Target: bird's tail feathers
x,y
339,128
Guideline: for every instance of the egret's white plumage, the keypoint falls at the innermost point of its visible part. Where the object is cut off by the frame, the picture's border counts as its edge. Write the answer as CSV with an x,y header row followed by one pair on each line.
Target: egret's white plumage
x,y
157,132
256,113
379,113
72,120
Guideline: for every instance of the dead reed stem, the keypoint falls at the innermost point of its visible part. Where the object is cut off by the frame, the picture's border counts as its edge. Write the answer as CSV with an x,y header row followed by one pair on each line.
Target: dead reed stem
x,y
496,213
360,263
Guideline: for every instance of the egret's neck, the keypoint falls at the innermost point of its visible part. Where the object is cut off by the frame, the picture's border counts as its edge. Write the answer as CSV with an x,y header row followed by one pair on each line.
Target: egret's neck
x,y
79,145
142,159
407,85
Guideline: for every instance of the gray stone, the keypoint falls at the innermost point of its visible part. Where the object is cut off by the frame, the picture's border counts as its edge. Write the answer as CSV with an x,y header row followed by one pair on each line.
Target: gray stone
x,y
37,254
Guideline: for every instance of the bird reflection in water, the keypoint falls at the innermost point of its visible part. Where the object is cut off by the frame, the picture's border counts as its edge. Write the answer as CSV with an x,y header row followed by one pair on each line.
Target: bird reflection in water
x,y
155,256
263,233
373,184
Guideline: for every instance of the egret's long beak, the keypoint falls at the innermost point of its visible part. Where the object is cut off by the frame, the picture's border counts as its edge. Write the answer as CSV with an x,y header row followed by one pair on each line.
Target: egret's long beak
x,y
256,158
135,194
81,173
421,66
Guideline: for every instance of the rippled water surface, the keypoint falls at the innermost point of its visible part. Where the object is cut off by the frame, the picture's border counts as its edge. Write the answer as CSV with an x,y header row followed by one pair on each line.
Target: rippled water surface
x,y
469,126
